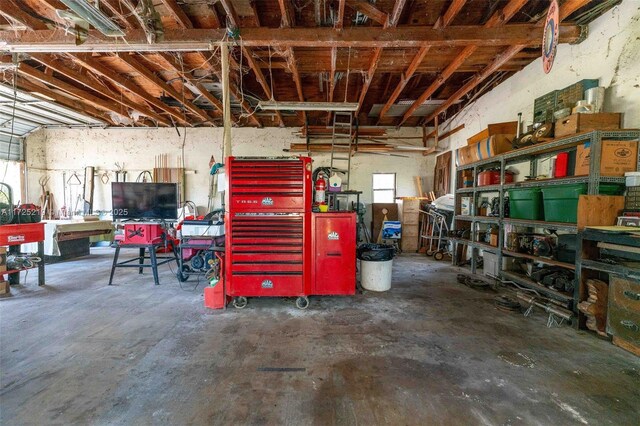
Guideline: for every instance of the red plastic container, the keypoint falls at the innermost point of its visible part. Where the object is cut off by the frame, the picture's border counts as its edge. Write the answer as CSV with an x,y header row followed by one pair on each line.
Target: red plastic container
x,y
214,297
562,163
492,177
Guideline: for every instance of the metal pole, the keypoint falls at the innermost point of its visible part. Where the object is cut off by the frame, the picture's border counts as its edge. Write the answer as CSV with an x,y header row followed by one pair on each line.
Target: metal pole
x,y
226,101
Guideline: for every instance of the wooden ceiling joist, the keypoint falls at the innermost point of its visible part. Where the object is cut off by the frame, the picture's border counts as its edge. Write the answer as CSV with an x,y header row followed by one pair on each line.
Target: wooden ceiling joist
x,y
52,41
288,22
125,17
248,55
370,10
30,85
443,21
11,9
497,19
95,66
76,76
375,58
177,13
565,10
162,85
84,96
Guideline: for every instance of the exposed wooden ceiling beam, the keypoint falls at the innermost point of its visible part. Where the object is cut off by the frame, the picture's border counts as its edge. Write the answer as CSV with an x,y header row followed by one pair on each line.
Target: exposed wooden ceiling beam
x,y
496,20
202,39
187,75
565,10
95,66
125,17
248,54
83,95
370,10
29,85
288,22
10,9
162,85
443,21
76,76
177,13
340,15
375,58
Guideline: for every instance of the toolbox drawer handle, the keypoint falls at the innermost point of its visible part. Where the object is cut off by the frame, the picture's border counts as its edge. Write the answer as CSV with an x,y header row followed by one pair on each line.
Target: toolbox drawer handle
x,y
631,295
630,325
334,253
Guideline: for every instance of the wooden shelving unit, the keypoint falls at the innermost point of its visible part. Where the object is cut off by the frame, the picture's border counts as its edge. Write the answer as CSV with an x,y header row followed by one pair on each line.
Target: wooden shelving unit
x,y
532,155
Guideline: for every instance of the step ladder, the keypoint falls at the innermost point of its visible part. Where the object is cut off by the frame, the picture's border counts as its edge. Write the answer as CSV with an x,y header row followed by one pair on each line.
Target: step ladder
x,y
341,146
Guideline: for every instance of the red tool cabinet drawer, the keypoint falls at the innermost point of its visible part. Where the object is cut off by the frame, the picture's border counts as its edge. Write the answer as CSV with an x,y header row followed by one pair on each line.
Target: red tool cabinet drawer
x,y
269,185
266,285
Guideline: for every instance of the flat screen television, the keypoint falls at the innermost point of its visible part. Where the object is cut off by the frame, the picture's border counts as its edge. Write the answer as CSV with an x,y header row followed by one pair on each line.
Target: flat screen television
x,y
152,201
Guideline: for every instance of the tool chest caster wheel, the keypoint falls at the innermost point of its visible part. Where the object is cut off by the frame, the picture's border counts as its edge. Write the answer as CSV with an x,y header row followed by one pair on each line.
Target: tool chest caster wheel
x,y
240,302
183,274
302,302
438,255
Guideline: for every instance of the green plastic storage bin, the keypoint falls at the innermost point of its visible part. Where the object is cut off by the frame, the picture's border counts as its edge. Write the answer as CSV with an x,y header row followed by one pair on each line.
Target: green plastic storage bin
x,y
526,203
561,202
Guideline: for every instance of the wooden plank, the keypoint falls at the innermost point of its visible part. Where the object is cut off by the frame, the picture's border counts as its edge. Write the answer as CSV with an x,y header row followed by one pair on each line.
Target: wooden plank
x,y
124,16
10,9
288,22
443,21
93,65
162,85
627,346
596,210
340,15
60,68
356,37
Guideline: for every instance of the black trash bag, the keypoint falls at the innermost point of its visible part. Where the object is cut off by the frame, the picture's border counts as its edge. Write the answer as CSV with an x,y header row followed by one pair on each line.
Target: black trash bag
x,y
375,252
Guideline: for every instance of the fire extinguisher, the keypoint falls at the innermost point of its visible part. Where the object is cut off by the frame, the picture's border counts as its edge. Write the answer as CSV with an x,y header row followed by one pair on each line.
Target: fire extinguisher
x,y
321,188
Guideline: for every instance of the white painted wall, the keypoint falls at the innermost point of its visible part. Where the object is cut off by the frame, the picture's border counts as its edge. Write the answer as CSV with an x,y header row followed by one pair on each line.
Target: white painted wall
x,y
55,151
611,53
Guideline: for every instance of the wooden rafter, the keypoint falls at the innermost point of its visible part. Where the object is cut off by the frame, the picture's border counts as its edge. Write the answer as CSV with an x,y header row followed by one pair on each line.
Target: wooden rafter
x,y
497,19
162,85
95,66
188,76
443,21
177,13
82,79
82,95
288,22
30,85
340,15
125,17
565,10
375,58
12,10
370,10
248,54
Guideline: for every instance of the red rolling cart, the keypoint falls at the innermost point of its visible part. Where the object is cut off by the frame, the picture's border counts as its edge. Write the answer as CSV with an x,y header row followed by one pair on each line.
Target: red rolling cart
x,y
15,235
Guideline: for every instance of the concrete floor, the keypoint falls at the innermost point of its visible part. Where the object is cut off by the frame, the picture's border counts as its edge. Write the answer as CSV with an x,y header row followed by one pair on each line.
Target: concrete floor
x,y
430,351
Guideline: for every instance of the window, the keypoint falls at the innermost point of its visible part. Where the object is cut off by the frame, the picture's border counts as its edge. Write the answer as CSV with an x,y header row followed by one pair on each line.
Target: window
x,y
384,187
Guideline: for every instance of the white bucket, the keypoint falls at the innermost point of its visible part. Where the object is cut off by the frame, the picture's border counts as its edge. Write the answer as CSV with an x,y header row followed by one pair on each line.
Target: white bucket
x,y
376,276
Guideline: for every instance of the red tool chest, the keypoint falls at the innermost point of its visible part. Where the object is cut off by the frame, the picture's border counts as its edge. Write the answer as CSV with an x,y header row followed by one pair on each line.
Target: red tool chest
x,y
268,228
334,253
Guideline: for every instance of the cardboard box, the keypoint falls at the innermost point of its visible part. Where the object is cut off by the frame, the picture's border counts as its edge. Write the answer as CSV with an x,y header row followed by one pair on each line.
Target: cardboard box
x,y
579,122
410,205
508,129
5,288
412,218
465,206
493,145
617,158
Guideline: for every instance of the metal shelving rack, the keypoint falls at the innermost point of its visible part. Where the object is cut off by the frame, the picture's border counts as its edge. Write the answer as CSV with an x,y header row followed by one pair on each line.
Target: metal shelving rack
x,y
532,154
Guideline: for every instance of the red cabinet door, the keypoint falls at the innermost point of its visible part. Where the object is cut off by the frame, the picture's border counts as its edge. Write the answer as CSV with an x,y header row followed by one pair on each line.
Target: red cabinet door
x,y
334,253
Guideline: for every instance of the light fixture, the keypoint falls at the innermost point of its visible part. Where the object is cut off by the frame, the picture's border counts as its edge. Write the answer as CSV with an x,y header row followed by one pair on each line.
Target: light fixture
x,y
94,17
308,106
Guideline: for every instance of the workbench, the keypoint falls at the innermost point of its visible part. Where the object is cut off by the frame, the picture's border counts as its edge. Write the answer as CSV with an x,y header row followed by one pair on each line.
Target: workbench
x,y
60,231
14,237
